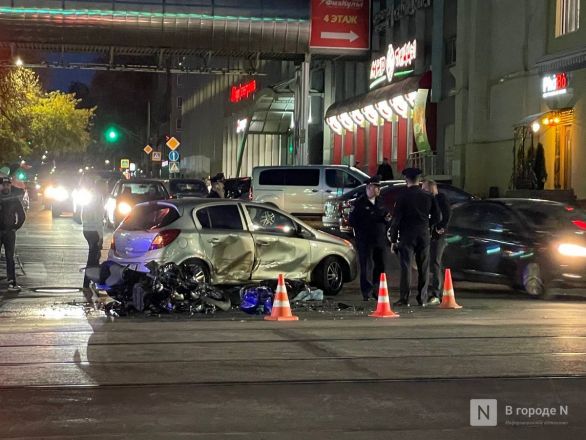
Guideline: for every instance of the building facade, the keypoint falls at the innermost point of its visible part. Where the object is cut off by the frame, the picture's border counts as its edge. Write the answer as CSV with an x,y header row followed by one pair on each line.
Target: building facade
x,y
519,94
405,111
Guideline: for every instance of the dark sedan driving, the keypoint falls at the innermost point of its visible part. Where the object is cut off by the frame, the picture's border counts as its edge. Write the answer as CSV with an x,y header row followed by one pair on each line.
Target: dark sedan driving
x,y
537,246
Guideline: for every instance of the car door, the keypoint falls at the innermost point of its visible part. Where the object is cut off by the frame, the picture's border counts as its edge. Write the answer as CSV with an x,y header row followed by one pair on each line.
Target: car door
x,y
463,232
226,242
338,182
302,191
279,247
502,242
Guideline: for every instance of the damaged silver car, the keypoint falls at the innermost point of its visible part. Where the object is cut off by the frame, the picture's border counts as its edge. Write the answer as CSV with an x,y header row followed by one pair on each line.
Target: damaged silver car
x,y
232,242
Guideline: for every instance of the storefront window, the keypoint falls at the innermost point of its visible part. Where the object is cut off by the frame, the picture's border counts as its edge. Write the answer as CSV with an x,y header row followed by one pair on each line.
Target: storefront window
x,y
567,17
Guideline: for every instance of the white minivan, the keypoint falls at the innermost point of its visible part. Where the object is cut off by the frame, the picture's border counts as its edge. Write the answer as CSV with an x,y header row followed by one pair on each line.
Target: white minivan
x,y
303,190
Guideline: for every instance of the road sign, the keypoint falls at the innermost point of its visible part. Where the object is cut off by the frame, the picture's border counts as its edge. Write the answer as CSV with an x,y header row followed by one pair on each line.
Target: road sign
x,y
148,149
340,25
173,167
125,163
174,156
156,156
173,143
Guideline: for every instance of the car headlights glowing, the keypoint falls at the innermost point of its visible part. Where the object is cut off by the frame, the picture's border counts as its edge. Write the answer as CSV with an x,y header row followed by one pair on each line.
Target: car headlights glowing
x,y
124,208
59,193
81,197
572,250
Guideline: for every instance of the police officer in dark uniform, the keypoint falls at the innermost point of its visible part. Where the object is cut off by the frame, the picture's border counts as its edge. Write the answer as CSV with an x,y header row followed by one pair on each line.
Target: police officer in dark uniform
x,y
415,211
370,221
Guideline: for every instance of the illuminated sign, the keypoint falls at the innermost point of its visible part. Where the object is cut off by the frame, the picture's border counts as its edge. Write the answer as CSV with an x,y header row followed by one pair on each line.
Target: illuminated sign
x,y
242,91
554,85
396,63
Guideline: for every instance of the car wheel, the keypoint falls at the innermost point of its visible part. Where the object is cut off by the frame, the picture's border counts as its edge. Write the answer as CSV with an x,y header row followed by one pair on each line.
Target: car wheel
x,y
329,276
196,270
55,212
533,282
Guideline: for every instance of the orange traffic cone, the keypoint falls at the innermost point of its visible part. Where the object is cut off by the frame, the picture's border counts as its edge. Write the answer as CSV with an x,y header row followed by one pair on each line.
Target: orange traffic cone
x,y
448,297
281,308
383,308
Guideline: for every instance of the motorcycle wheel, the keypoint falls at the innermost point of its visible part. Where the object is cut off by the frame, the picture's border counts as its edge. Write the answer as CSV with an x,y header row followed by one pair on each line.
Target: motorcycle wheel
x,y
196,271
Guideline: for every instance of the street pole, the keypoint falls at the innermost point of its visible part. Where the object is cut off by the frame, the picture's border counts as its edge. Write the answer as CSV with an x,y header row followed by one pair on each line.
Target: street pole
x,y
148,156
302,112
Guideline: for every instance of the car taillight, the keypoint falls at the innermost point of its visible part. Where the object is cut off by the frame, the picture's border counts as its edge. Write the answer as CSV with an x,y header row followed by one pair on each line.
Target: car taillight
x,y
580,224
164,238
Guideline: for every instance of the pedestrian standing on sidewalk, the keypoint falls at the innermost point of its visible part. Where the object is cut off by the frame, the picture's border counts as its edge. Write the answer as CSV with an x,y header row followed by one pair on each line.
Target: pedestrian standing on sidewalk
x,y
92,220
12,217
438,242
370,221
385,170
415,211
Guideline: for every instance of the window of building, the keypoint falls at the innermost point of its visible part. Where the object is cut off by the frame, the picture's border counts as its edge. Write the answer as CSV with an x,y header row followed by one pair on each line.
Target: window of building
x,y
180,79
179,102
567,17
179,124
450,51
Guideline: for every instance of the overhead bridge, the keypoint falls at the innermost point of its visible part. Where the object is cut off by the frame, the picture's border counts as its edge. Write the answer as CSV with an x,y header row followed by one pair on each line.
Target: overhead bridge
x,y
243,28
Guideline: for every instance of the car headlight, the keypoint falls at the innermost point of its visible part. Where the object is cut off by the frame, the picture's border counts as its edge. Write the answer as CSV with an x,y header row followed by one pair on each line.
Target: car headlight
x,y
59,193
572,250
81,197
124,208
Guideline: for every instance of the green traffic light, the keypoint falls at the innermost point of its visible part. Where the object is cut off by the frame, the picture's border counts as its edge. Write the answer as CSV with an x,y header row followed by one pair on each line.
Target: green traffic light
x,y
112,134
21,176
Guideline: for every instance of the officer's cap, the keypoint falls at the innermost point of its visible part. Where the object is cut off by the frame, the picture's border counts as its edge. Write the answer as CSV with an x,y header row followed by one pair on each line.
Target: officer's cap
x,y
375,180
411,173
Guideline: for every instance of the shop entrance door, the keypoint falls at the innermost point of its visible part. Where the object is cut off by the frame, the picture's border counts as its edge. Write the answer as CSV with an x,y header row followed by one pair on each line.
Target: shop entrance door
x,y
566,147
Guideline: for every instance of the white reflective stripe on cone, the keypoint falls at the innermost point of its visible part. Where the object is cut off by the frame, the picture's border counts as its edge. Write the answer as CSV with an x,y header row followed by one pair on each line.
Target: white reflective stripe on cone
x,y
383,299
449,292
383,285
281,303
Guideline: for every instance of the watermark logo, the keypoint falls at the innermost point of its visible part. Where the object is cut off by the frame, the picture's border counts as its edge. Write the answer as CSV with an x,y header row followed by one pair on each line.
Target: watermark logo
x,y
483,412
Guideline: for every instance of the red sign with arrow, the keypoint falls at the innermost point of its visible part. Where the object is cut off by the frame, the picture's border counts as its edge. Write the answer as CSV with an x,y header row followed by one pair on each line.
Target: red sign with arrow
x,y
340,24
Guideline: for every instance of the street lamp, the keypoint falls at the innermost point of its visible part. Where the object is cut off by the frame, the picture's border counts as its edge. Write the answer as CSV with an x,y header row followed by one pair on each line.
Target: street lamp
x,y
107,162
19,62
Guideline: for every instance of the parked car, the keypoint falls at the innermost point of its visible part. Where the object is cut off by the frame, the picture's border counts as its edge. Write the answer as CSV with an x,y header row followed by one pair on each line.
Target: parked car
x,y
303,190
538,246
232,242
337,211
127,193
179,188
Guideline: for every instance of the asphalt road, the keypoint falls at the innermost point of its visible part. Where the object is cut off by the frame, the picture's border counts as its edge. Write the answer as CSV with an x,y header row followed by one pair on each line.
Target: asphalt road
x,y
67,372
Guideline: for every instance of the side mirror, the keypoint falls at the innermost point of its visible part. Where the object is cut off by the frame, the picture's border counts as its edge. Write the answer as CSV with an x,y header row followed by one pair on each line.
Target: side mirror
x,y
304,233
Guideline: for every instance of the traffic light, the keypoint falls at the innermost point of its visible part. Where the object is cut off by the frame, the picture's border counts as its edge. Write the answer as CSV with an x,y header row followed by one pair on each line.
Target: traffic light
x,y
112,134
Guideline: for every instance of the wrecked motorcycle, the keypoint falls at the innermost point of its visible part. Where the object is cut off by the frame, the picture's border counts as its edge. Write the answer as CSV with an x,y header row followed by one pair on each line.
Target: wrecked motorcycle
x,y
164,289
170,288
